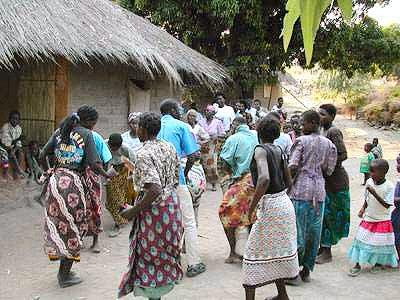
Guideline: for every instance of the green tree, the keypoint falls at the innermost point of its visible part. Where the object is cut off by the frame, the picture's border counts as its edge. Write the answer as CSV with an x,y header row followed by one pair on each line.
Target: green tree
x,y
360,47
245,35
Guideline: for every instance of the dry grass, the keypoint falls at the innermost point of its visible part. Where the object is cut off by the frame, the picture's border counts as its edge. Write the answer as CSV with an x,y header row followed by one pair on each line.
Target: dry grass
x,y
83,30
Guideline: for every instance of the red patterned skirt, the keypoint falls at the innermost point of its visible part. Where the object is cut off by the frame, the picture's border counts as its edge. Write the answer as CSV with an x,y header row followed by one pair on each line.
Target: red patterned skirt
x,y
234,209
66,214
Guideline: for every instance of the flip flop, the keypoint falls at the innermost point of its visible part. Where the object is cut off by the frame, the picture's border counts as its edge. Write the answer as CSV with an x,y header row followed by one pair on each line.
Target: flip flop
x,y
354,272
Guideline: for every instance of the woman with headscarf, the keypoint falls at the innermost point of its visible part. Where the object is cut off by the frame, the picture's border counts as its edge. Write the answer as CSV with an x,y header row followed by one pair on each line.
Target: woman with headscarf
x,y
130,137
68,194
209,151
154,247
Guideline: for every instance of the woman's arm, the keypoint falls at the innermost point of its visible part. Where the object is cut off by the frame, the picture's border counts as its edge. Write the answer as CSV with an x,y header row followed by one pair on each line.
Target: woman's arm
x,y
152,191
47,150
263,181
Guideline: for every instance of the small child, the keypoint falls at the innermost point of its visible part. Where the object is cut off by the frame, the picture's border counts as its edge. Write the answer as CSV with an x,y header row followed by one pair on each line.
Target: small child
x,y
376,148
365,162
120,187
197,186
374,241
396,211
32,161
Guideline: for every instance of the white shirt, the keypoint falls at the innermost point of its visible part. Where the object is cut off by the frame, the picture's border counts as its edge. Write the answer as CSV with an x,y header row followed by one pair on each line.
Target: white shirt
x,y
226,114
8,134
253,112
284,142
281,110
132,143
199,133
376,212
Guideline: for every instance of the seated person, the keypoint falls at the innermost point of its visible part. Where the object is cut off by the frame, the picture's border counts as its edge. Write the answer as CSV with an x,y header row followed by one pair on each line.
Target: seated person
x,y
32,161
11,145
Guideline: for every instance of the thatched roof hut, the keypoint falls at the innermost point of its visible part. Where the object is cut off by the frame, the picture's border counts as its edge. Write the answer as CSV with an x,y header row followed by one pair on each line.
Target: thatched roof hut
x,y
62,53
81,30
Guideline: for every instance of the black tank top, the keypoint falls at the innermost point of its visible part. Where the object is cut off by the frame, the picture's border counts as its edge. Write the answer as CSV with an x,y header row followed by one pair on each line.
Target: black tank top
x,y
275,167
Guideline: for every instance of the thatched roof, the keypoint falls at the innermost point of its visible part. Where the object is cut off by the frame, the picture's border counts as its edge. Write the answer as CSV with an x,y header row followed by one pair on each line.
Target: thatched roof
x,y
83,30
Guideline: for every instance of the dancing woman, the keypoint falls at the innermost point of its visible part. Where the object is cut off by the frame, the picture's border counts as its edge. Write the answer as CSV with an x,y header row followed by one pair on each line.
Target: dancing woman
x,y
67,195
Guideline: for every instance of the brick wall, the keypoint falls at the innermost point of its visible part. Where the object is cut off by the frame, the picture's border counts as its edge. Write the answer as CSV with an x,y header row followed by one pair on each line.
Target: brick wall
x,y
106,88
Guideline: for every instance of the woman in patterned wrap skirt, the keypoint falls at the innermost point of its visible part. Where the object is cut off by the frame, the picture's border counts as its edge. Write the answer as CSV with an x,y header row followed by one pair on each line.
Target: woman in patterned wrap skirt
x,y
67,191
271,250
154,259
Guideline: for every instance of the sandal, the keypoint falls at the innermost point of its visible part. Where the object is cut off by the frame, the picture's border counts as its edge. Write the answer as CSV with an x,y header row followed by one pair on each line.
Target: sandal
x,y
354,272
195,270
375,269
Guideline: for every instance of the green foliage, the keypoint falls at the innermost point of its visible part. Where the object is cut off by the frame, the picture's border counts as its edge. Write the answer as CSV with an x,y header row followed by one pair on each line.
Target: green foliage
x,y
395,92
337,87
310,13
246,35
361,47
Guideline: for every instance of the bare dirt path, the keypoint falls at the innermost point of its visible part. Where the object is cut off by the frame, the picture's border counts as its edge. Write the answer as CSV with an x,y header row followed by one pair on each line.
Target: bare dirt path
x,y
25,273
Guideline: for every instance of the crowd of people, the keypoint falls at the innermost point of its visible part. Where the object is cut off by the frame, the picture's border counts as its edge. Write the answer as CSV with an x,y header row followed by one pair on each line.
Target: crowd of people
x,y
282,180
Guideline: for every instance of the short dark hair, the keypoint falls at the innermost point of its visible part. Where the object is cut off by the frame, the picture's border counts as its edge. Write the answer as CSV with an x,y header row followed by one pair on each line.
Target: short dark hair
x,y
151,122
273,115
311,116
245,104
87,113
115,140
381,164
268,129
240,120
368,146
257,100
168,105
14,112
218,94
330,109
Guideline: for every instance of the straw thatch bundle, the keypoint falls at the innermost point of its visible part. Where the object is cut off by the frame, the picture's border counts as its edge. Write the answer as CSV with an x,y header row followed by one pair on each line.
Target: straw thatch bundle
x,y
83,30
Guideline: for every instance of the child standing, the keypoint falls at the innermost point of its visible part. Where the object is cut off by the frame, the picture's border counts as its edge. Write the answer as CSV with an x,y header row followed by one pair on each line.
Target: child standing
x,y
365,162
377,148
396,211
119,188
374,241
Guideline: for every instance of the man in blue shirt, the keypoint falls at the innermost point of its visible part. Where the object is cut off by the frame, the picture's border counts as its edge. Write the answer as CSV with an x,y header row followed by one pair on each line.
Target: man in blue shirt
x,y
178,134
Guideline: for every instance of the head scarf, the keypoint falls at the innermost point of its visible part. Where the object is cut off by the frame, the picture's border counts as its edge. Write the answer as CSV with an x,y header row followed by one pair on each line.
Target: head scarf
x,y
133,116
211,108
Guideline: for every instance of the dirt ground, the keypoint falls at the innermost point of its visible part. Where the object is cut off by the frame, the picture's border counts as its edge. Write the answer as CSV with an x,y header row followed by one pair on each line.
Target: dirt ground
x,y
25,272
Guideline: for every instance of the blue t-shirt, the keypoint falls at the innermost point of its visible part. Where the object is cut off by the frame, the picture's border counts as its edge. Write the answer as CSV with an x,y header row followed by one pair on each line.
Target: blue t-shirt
x,y
101,147
178,134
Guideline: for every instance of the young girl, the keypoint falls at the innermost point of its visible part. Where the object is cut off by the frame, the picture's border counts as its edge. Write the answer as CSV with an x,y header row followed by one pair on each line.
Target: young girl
x,y
396,211
119,188
271,250
374,241
365,162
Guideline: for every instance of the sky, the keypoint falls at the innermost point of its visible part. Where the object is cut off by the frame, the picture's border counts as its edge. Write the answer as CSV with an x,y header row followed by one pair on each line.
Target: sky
x,y
388,14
